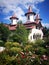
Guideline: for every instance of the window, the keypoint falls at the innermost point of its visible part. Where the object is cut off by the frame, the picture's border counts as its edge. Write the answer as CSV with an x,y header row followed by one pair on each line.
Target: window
x,y
37,27
31,37
36,36
28,18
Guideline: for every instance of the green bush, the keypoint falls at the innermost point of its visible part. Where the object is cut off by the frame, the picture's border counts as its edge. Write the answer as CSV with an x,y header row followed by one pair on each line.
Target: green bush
x,y
1,43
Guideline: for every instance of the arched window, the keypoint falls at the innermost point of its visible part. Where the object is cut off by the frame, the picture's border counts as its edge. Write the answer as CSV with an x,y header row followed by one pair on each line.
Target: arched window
x,y
28,18
31,37
36,36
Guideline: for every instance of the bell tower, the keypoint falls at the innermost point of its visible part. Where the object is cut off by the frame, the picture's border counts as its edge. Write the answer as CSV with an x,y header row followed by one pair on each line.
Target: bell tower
x,y
30,15
14,20
38,19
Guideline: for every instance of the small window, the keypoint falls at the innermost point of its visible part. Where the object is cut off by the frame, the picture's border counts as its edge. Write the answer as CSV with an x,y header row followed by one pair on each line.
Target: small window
x,y
34,36
40,36
37,27
28,18
31,37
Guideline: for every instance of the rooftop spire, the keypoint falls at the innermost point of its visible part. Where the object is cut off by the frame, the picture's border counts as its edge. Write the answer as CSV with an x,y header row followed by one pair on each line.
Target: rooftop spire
x,y
38,17
14,17
30,9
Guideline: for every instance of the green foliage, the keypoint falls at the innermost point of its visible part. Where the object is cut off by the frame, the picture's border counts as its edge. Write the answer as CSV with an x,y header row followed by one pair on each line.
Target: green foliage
x,y
28,48
15,49
1,43
46,32
21,52
6,59
17,54
39,42
12,44
8,44
40,51
4,32
20,35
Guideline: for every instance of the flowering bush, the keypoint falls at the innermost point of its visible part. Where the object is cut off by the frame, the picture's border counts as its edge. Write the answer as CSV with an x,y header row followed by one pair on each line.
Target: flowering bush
x,y
30,54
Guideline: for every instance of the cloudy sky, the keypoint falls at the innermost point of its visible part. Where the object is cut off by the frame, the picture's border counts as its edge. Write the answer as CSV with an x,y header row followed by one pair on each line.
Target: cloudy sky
x,y
19,8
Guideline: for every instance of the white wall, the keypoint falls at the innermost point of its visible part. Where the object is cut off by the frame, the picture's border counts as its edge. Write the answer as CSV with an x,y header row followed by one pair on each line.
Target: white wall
x,y
32,18
35,31
14,21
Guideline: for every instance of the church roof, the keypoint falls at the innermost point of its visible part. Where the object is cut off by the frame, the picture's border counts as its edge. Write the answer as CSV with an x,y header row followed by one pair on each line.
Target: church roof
x,y
13,17
12,27
38,17
30,11
30,25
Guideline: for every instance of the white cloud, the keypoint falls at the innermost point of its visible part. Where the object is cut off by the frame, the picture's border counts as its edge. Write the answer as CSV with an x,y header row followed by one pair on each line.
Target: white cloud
x,y
7,18
18,12
45,25
13,5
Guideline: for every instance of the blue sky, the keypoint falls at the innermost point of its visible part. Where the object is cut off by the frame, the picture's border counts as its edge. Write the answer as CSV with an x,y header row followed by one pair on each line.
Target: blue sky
x,y
19,8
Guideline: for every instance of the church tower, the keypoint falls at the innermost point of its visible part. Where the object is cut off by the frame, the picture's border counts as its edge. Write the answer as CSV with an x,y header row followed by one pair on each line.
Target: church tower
x,y
14,20
38,19
38,22
30,15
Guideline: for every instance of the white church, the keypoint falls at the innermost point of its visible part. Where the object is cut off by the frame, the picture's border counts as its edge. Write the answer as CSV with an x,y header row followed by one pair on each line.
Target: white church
x,y
33,24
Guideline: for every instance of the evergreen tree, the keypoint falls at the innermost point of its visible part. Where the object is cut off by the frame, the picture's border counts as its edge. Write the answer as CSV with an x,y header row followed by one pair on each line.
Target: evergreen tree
x,y
21,34
4,32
